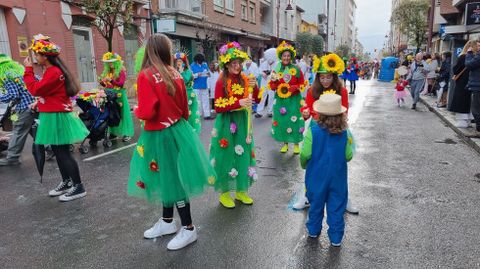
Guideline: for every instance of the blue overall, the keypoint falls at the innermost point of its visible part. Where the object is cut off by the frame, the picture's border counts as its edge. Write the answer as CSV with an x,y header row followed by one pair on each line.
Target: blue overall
x,y
326,182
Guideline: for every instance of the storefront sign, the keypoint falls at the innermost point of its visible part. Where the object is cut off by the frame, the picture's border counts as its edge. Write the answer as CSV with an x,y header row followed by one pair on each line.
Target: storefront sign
x,y
472,13
166,26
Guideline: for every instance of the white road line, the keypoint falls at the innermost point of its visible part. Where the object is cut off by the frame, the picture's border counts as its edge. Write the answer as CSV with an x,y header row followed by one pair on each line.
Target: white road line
x,y
108,153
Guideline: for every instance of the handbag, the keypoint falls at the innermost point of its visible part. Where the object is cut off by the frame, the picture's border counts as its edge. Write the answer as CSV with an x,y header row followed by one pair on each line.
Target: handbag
x,y
457,76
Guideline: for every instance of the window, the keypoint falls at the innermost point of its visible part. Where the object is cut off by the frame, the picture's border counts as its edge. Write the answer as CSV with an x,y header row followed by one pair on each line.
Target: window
x,y
252,12
229,7
218,5
244,10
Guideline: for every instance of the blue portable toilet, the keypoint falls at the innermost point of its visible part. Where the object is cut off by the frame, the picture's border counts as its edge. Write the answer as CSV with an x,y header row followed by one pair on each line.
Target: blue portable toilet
x,y
387,71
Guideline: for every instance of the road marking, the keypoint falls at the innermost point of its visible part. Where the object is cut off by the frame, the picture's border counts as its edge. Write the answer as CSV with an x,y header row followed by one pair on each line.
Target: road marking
x,y
108,153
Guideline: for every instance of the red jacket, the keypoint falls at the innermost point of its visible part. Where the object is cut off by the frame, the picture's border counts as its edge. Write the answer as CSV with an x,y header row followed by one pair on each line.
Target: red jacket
x,y
50,90
401,86
294,82
309,100
158,108
220,95
117,82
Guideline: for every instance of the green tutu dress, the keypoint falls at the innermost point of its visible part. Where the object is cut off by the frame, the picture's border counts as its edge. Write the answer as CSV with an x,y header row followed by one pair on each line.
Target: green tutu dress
x,y
194,114
288,124
125,127
230,155
60,128
169,165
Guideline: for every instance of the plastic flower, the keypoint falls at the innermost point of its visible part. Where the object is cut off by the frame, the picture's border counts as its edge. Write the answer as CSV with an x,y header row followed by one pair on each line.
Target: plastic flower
x,y
293,71
239,149
252,154
289,130
197,120
233,127
153,166
211,180
301,130
302,102
237,89
293,118
214,132
140,184
213,162
280,75
223,142
275,123
190,102
283,90
192,94
283,110
233,173
140,150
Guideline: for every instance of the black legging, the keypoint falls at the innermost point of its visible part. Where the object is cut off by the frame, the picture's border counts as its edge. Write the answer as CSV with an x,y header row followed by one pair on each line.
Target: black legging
x,y
66,163
183,209
353,86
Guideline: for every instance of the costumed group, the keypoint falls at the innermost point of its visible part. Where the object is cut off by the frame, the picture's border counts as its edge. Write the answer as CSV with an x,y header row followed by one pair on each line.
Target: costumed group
x,y
169,163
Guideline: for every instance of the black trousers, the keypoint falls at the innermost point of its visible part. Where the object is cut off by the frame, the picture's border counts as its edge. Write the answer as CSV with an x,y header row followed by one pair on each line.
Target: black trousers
x,y
183,209
66,163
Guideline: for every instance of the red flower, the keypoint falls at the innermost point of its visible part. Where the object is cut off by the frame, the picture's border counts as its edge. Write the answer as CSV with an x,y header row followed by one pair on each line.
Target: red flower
x,y
154,166
223,143
229,45
87,94
253,154
141,185
275,123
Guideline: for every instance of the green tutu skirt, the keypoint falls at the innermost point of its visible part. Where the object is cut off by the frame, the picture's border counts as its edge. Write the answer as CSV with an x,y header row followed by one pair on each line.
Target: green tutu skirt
x,y
169,165
125,127
288,124
194,116
230,155
60,128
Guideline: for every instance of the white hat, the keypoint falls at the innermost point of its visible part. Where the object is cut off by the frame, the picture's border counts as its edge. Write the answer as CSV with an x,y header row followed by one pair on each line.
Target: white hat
x,y
329,104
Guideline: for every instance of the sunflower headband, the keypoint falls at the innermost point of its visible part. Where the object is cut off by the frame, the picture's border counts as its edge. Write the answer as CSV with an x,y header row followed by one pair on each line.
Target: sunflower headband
x,y
330,63
180,56
111,57
231,51
44,46
284,46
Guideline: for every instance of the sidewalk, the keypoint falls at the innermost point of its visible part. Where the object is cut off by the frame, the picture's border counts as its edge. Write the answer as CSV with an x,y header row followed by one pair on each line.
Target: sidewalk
x,y
449,118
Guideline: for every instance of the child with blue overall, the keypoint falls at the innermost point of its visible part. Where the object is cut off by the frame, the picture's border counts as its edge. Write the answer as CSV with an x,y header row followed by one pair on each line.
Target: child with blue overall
x,y
327,147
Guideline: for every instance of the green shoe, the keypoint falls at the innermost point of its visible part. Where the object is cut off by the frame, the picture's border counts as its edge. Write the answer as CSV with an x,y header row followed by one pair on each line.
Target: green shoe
x,y
244,198
226,200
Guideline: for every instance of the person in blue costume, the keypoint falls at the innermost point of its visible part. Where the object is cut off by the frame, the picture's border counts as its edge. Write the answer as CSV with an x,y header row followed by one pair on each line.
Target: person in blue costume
x,y
327,147
352,74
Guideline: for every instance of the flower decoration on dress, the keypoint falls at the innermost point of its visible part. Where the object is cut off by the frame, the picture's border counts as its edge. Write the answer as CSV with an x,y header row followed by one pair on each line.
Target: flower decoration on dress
x,y
231,51
233,173
301,130
190,102
233,127
302,102
223,143
330,63
283,110
252,154
224,102
213,162
140,184
44,46
110,57
211,180
214,132
237,89
283,90
239,150
293,118
153,166
289,130
275,123
252,172
284,46
192,94
293,71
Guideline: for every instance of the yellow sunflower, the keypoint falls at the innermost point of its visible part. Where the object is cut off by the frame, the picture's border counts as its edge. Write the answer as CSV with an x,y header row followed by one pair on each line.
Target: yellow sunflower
x,y
333,63
221,102
140,151
293,71
237,89
280,75
283,90
331,91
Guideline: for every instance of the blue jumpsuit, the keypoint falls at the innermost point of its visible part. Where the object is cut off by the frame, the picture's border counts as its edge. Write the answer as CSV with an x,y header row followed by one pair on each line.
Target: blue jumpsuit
x,y
326,182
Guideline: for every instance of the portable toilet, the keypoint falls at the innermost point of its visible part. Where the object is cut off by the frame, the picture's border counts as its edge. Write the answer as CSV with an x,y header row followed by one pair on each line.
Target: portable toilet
x,y
387,70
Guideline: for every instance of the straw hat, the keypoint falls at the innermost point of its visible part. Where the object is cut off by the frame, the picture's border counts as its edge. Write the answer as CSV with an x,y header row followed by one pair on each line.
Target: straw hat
x,y
329,104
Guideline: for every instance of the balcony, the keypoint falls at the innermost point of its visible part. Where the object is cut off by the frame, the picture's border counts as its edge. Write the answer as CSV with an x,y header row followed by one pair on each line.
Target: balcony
x,y
188,6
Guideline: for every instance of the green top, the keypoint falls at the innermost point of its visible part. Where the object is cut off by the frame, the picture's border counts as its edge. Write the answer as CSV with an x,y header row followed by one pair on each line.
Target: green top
x,y
306,153
188,78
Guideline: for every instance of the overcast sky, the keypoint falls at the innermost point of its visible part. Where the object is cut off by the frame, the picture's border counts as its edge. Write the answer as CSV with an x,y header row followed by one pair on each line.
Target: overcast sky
x,y
373,22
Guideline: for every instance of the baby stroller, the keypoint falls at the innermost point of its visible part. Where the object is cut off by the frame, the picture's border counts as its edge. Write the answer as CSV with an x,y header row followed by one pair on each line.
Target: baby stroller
x,y
97,117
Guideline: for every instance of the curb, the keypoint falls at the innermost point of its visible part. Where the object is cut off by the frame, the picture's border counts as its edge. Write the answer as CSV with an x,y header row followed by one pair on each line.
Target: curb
x,y
474,144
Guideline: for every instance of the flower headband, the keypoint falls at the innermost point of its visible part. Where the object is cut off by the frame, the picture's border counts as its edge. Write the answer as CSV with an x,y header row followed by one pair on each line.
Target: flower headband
x,y
231,51
330,63
42,45
284,46
110,57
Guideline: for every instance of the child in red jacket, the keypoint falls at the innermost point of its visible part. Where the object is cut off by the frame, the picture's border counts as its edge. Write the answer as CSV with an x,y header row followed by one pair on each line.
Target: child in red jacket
x,y
400,91
169,164
58,125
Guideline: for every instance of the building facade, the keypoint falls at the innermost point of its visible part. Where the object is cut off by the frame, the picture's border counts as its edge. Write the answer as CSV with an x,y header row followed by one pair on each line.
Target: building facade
x,y
341,23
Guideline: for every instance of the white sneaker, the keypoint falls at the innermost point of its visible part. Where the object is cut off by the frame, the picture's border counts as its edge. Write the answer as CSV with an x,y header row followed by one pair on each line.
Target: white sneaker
x,y
301,203
351,208
160,228
461,124
182,239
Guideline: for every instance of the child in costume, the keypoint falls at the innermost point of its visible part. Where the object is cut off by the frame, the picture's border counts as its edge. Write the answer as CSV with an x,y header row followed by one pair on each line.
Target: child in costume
x,y
113,78
212,81
287,81
58,125
327,148
13,89
400,91
232,149
169,164
181,64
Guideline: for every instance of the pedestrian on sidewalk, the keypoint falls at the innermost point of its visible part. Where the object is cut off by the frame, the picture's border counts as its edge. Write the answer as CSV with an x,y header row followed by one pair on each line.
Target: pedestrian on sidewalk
x,y
169,164
400,92
232,150
58,125
461,97
287,81
200,74
327,147
444,79
472,62
181,64
212,81
416,78
113,79
13,89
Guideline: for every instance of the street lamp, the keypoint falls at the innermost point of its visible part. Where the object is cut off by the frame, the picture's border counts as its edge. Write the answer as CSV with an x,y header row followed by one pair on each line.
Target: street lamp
x,y
289,7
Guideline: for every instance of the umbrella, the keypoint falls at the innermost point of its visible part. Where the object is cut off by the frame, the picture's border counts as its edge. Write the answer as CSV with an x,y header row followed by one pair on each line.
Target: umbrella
x,y
38,151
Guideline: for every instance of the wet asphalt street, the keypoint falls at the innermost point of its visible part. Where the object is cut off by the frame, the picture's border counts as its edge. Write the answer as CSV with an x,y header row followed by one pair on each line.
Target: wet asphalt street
x,y
416,184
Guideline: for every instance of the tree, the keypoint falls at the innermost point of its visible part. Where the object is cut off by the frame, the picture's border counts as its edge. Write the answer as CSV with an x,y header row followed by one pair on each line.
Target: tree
x,y
304,42
318,45
207,34
343,51
411,17
109,15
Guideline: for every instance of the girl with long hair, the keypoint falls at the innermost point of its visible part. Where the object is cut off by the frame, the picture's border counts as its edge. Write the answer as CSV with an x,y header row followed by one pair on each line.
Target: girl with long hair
x,y
169,164
58,125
